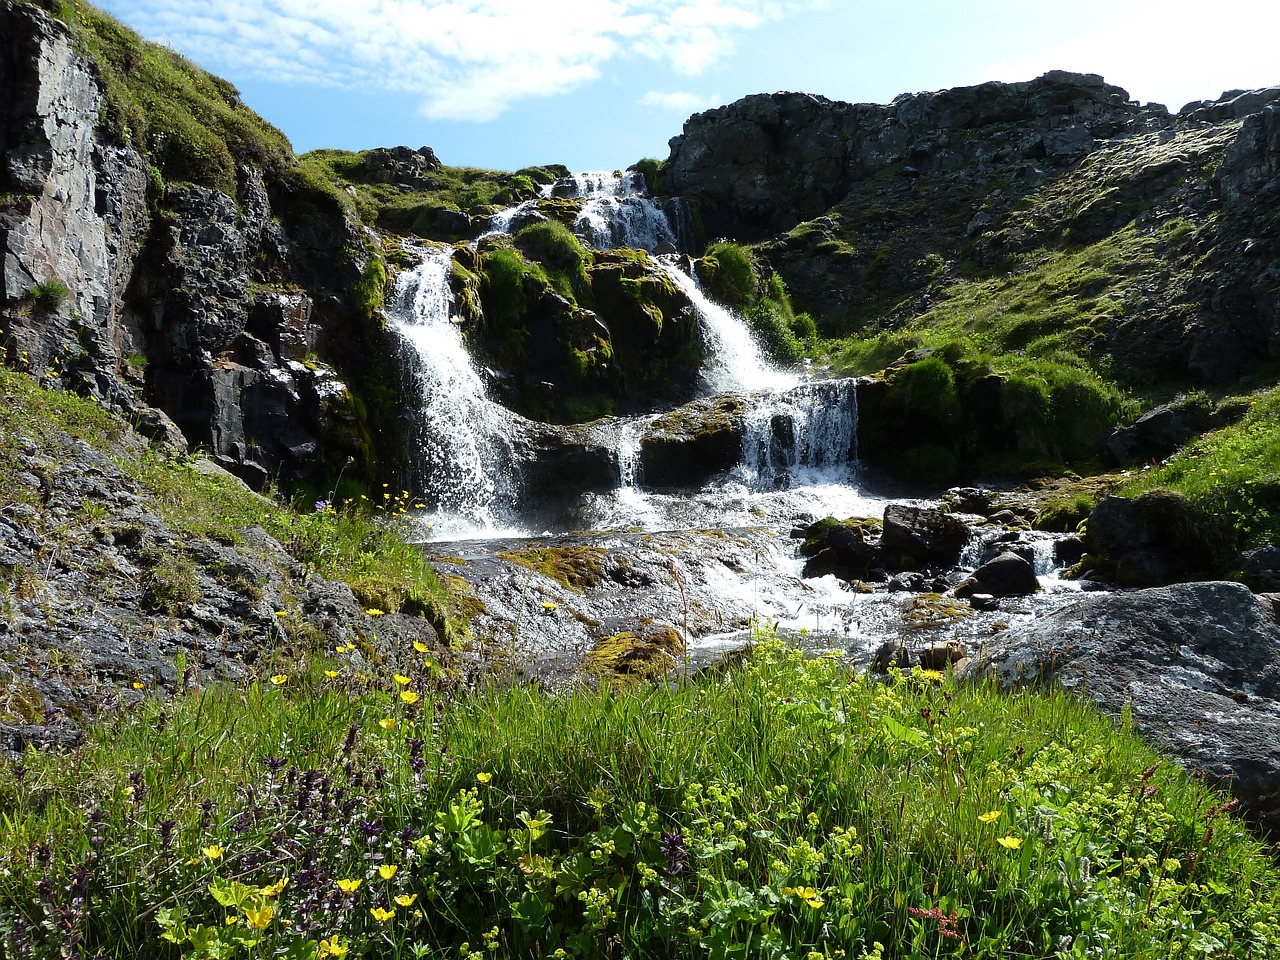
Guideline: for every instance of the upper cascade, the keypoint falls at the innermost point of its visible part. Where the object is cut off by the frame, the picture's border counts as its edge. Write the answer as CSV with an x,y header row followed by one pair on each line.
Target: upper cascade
x,y
617,212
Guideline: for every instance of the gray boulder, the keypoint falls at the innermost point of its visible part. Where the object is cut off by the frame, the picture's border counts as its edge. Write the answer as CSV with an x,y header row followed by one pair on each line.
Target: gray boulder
x,y
1197,664
1262,569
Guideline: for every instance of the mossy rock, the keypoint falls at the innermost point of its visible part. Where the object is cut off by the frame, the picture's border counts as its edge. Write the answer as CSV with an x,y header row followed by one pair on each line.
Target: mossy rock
x,y
573,567
627,658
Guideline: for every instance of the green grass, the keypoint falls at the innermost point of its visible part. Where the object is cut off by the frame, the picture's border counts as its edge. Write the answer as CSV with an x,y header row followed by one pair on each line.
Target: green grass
x,y
780,808
190,124
1230,477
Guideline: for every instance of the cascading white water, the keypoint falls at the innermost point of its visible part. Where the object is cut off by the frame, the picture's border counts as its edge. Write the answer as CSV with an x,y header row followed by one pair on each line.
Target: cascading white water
x,y
734,361
463,443
808,433
616,213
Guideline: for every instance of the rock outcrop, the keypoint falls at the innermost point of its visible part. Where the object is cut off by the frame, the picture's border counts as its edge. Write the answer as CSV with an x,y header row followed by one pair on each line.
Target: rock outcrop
x,y
227,314
1198,665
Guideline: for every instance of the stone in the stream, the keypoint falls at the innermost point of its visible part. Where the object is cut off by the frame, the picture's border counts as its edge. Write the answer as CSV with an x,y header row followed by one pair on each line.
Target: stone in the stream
x,y
921,536
1197,664
1008,575
939,656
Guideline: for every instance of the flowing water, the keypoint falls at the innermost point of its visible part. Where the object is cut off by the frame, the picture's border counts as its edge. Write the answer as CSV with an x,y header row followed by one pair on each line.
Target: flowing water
x,y
798,463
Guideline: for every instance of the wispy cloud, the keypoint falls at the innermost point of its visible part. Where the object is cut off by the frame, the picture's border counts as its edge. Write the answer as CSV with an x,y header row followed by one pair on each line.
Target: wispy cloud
x,y
466,59
679,101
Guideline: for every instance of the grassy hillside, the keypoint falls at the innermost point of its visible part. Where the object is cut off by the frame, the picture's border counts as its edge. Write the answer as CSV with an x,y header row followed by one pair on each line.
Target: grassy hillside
x,y
782,808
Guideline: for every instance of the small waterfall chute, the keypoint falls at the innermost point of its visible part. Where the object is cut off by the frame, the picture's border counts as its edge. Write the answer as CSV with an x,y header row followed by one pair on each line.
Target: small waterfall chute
x,y
462,450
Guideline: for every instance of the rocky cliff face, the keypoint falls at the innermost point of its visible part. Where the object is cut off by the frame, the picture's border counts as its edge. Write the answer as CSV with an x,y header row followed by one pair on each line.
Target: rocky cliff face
x,y
210,318
761,165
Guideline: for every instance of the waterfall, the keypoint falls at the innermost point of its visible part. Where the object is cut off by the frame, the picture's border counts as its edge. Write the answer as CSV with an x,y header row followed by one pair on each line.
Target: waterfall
x,y
462,443
810,431
616,213
734,361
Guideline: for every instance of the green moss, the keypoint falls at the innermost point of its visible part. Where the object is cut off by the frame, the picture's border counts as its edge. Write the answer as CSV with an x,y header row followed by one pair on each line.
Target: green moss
x,y
627,658
654,173
368,294
728,272
575,567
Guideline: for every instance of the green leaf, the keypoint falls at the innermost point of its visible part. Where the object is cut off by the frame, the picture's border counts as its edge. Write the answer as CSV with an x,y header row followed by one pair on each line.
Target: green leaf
x,y
901,733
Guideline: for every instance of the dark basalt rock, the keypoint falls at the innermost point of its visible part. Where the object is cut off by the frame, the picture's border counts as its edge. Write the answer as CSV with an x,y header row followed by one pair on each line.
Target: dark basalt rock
x,y
848,549
922,535
1197,664
1008,575
1149,541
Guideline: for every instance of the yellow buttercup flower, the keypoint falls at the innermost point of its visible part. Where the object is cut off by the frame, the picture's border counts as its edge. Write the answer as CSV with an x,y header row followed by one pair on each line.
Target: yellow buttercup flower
x,y
279,679
350,886
274,889
213,851
387,871
375,612
401,679
331,674
382,916
484,777
420,646
258,919
138,684
406,899
387,723
409,697
991,816
1009,843
331,948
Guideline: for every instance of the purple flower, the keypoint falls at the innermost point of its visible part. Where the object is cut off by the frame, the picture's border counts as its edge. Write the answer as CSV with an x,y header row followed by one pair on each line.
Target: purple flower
x,y
674,850
322,505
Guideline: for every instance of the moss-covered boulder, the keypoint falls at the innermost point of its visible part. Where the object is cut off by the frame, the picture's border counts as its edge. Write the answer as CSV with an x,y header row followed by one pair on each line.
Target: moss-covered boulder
x,y
848,549
693,443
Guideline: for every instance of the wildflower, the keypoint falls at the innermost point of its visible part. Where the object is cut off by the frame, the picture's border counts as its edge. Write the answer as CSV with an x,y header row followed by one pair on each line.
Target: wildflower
x,y
991,816
322,505
674,850
382,916
279,679
331,948
375,612
138,684
350,886
406,899
230,919
420,646
1009,843
282,613
274,889
213,851
409,697
387,723
484,777
401,679
548,606
258,919
331,674
387,871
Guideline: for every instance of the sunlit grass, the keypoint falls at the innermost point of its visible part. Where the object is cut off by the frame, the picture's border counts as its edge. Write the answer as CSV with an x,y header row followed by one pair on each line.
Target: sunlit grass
x,y
783,807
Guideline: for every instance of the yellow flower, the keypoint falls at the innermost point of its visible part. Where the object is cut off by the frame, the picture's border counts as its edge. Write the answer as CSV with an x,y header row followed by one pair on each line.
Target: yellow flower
x,y
279,678
331,674
420,646
409,697
548,605
138,684
406,899
991,816
258,919
350,886
382,916
387,871
282,613
375,612
274,889
401,679
1009,843
387,723
331,948
230,919
213,851
484,777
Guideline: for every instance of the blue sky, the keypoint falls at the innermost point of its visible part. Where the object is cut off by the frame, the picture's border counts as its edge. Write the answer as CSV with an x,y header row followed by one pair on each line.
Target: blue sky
x,y
598,84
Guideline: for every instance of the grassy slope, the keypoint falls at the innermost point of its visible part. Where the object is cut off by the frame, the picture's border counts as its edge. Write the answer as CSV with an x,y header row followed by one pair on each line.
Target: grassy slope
x,y
780,809
347,543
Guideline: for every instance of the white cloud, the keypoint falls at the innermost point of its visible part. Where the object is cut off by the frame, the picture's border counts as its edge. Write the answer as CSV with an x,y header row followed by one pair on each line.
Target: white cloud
x,y
467,59
679,101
